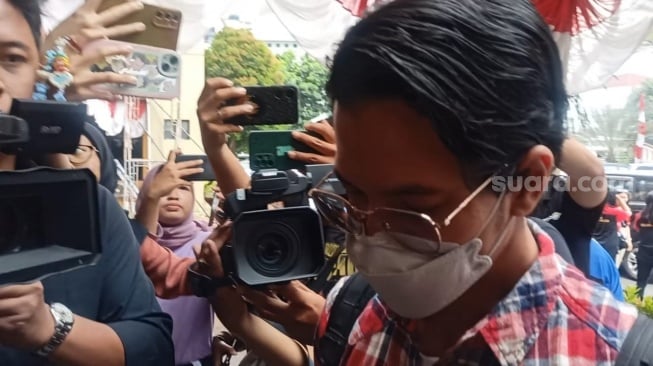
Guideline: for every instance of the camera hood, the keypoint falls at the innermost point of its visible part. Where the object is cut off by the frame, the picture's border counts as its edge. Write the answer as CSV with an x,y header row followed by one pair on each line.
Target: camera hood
x,y
49,223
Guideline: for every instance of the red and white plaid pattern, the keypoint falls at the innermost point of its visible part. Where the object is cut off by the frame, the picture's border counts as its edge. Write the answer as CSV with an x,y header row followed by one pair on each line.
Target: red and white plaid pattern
x,y
553,316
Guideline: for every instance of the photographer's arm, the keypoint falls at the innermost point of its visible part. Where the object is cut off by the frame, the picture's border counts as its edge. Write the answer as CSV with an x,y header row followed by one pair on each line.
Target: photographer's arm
x,y
167,271
587,183
263,339
266,341
212,113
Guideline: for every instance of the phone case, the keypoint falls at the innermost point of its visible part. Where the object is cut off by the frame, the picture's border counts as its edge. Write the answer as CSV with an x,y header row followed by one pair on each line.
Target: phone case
x,y
157,71
274,105
269,150
161,25
207,175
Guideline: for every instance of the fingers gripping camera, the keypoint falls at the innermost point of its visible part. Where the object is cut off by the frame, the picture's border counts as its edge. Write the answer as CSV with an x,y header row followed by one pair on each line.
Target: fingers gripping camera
x,y
277,236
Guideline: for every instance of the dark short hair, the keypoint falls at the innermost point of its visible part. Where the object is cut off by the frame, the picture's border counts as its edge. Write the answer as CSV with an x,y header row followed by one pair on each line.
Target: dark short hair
x,y
31,10
487,74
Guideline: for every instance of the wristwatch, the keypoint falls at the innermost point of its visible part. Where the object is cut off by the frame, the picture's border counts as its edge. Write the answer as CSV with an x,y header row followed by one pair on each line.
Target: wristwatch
x,y
202,285
64,321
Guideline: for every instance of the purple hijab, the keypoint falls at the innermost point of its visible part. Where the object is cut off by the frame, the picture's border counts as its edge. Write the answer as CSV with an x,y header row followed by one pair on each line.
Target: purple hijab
x,y
173,236
192,316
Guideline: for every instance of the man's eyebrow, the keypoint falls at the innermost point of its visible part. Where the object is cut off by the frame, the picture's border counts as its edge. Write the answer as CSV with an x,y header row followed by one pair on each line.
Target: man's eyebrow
x,y
15,44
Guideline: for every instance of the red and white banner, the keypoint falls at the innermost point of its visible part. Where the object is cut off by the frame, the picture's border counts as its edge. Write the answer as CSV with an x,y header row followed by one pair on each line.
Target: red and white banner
x,y
595,37
641,129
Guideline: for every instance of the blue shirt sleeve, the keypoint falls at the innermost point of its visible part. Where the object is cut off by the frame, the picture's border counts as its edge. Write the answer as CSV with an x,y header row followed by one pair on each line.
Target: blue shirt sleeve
x,y
128,304
603,268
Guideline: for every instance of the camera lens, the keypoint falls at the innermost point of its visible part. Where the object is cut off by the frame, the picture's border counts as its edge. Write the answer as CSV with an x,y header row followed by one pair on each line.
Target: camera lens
x,y
274,251
271,250
174,60
165,67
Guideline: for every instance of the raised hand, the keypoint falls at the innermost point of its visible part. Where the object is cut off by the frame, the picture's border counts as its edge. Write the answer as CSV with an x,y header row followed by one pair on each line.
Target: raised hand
x,y
293,305
326,147
212,111
172,175
86,24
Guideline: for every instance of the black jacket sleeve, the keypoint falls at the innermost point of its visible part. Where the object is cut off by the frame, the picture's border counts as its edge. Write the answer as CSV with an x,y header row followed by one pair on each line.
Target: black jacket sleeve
x,y
576,224
128,304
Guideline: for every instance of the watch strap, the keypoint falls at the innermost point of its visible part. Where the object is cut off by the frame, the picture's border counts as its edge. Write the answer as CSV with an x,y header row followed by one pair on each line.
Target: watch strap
x,y
64,321
202,285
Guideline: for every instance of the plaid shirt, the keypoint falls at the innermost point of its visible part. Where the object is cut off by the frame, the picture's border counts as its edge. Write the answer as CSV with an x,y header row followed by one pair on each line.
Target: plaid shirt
x,y
553,316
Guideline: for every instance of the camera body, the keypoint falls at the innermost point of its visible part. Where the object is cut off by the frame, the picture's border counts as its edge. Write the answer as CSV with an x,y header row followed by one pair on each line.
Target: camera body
x,y
277,236
49,218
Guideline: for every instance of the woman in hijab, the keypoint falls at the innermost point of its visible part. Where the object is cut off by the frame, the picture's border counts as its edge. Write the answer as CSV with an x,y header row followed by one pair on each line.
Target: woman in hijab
x,y
94,153
165,207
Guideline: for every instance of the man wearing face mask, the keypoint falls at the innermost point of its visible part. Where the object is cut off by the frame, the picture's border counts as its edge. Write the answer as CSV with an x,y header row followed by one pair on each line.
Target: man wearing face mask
x,y
434,102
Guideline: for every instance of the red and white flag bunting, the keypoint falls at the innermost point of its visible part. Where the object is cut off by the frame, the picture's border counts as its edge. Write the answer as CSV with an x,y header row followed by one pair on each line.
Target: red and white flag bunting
x,y
595,37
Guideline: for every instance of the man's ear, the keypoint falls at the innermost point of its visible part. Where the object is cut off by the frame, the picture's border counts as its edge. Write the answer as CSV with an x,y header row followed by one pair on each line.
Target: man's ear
x,y
532,175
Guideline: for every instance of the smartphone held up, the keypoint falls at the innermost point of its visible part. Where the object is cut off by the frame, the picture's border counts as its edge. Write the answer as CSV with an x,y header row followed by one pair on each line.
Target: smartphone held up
x,y
273,105
156,71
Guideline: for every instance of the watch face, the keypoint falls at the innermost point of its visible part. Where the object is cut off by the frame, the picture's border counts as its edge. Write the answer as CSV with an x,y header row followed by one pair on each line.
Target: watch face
x,y
64,313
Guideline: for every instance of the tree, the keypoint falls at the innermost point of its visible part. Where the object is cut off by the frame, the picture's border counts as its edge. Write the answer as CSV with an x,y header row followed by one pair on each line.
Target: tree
x,y
612,129
310,76
236,55
616,129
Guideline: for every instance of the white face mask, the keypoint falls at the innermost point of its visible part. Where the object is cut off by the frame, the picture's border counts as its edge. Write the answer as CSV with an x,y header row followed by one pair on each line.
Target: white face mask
x,y
415,278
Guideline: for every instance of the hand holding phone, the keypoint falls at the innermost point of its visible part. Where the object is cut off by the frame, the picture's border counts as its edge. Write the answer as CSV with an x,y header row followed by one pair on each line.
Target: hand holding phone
x,y
162,25
207,173
155,70
173,174
212,111
320,138
273,150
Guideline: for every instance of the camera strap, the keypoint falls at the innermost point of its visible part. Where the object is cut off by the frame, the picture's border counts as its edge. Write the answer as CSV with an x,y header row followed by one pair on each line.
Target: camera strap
x,y
346,308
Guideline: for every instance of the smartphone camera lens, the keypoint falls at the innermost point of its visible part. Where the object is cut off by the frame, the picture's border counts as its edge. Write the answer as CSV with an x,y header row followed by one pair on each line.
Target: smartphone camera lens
x,y
174,60
165,67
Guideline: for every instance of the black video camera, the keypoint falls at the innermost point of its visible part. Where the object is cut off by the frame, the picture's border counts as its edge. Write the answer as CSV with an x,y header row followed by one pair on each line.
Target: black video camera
x,y
277,236
49,218
42,127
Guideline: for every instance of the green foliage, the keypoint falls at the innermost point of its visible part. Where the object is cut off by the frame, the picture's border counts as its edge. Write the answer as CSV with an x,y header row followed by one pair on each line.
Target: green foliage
x,y
644,306
310,76
236,55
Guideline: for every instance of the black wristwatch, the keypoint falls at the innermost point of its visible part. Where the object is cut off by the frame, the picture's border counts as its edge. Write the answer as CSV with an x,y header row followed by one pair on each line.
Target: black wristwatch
x,y
204,286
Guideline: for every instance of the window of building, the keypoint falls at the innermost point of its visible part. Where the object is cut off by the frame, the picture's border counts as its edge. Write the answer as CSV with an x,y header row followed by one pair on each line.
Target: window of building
x,y
170,133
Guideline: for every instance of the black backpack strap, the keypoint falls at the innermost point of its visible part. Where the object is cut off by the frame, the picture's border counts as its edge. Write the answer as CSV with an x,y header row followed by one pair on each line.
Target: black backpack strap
x,y
346,308
637,349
